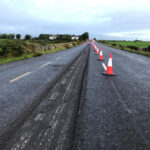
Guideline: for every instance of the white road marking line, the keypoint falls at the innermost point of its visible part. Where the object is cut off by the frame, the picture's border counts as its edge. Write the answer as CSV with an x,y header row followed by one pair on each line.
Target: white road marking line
x,y
20,77
124,54
45,64
58,58
140,60
104,66
130,56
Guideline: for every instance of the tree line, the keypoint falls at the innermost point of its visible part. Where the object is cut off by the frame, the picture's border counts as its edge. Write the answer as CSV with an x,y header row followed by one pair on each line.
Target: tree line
x,y
59,37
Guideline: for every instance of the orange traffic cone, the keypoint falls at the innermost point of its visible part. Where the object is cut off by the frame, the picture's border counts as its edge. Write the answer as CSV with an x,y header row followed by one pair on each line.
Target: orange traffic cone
x,y
93,47
100,55
109,70
97,50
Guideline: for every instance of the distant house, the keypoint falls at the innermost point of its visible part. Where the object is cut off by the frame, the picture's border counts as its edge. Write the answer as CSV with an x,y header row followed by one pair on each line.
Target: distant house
x,y
52,37
75,38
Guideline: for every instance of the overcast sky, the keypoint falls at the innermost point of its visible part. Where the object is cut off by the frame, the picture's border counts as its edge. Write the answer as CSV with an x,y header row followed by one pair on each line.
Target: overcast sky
x,y
103,19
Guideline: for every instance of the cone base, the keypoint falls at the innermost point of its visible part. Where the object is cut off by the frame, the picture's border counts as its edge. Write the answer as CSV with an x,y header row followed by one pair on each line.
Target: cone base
x,y
104,73
100,59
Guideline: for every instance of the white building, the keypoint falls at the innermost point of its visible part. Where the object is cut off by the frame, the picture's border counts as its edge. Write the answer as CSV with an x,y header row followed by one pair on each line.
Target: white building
x,y
75,38
52,37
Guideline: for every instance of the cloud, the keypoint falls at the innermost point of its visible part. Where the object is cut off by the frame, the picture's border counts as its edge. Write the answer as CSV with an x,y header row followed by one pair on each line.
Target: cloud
x,y
143,34
99,18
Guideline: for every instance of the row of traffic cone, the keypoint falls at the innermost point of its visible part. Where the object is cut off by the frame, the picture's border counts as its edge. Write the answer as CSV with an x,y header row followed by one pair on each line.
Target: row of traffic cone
x,y
109,69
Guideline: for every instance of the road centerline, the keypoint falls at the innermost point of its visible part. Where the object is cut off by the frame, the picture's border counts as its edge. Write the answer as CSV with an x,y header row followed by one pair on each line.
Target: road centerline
x,y
45,64
19,77
140,60
58,58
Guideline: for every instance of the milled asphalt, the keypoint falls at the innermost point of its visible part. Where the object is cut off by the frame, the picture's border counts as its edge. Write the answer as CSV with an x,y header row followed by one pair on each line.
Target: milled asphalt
x,y
115,113
51,125
17,98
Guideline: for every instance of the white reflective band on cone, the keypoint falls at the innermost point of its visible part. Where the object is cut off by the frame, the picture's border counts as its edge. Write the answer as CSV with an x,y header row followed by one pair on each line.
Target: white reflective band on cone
x,y
110,62
101,53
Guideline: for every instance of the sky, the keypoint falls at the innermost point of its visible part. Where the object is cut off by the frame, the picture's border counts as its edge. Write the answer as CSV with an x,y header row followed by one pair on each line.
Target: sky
x,y
103,19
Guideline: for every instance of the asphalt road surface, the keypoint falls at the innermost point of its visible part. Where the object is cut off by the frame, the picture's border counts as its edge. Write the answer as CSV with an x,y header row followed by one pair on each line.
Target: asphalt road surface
x,y
115,113
51,124
23,84
75,106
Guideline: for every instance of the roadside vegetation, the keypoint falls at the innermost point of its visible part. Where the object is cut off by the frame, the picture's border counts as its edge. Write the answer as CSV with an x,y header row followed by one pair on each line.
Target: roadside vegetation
x,y
139,47
13,48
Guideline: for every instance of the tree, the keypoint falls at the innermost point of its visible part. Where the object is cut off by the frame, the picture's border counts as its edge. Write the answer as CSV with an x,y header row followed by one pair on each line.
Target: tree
x,y
44,36
7,36
3,36
64,38
84,36
18,36
28,37
11,36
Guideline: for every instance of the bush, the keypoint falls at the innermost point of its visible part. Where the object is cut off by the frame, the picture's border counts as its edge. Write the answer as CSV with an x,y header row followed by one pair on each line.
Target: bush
x,y
66,45
148,48
17,50
10,47
36,54
74,44
114,44
122,47
133,47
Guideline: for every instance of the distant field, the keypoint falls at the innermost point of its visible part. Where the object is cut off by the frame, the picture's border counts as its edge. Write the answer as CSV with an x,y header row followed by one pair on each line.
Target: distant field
x,y
139,47
139,44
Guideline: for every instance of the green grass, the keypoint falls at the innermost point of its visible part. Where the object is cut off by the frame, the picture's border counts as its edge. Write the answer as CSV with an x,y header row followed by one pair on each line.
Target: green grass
x,y
126,43
139,44
14,50
26,56
6,60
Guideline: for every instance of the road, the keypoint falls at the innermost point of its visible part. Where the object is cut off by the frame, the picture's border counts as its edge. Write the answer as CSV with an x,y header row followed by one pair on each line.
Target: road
x,y
63,101
115,111
23,84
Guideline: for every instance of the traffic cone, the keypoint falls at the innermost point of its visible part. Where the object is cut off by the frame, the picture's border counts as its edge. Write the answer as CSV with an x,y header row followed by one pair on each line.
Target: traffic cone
x,y
100,55
97,50
93,47
109,70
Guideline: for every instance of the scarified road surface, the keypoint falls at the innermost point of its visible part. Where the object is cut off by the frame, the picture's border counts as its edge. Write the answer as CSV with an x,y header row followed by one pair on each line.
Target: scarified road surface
x,y
23,84
51,124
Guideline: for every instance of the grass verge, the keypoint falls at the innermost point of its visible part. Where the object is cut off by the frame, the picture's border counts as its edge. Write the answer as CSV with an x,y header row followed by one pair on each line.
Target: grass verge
x,y
27,56
140,52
